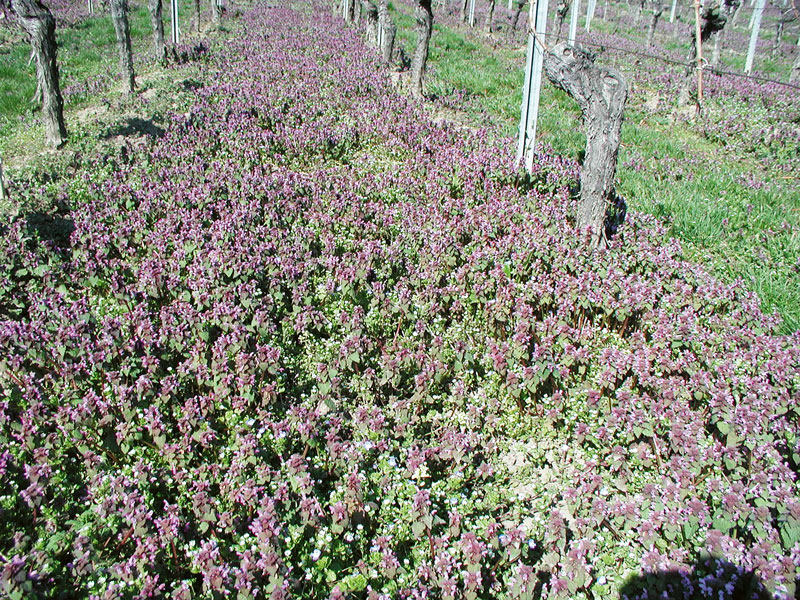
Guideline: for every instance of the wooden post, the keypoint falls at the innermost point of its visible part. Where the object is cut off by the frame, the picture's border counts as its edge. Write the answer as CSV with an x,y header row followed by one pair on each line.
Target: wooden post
x,y
573,21
751,49
590,8
699,47
91,7
175,29
529,113
672,13
510,7
472,13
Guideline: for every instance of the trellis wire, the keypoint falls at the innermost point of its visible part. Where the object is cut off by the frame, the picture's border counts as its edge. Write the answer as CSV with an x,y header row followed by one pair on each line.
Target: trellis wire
x,y
706,68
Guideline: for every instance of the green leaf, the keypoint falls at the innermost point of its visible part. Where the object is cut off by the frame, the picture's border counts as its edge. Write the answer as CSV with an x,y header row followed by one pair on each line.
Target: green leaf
x,y
790,535
721,523
690,529
418,528
353,583
732,440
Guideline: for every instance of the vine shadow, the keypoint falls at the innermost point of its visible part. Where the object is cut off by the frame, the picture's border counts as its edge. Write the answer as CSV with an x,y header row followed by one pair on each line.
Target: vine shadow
x,y
52,228
134,126
616,211
711,579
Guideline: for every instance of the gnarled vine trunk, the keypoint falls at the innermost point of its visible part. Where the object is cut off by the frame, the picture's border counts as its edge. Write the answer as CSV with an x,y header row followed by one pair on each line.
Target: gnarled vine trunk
x,y
487,25
383,13
776,44
794,77
658,9
639,11
727,8
119,15
387,41
157,22
424,16
737,11
387,31
38,22
601,93
561,13
517,13
717,50
371,18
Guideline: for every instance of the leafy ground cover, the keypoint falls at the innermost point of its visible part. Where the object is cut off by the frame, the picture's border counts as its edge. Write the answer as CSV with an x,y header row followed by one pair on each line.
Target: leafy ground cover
x,y
310,344
726,185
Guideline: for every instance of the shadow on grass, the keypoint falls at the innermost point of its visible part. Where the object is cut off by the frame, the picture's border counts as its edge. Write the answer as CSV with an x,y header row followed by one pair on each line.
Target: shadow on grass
x,y
134,127
711,579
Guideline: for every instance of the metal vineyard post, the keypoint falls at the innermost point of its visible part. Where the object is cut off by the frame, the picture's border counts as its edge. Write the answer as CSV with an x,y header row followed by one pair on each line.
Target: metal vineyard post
x,y
751,49
533,84
175,29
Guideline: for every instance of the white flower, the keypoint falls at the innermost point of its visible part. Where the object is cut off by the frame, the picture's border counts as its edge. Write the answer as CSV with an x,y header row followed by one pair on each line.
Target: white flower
x,y
316,554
